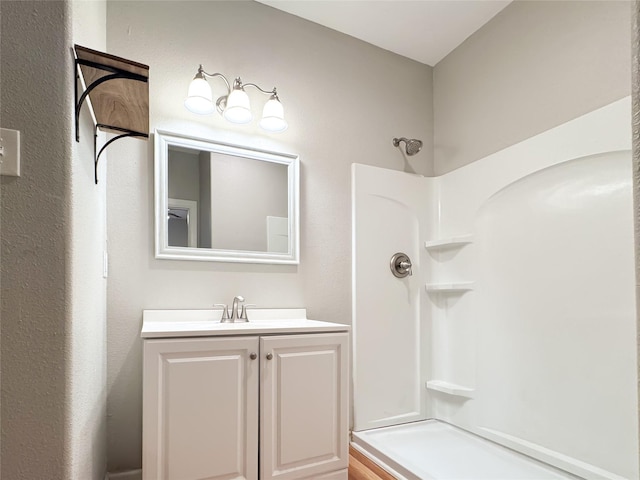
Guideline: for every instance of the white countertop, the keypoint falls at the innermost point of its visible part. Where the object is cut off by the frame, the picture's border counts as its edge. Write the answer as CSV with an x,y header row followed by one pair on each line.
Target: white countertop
x,y
206,323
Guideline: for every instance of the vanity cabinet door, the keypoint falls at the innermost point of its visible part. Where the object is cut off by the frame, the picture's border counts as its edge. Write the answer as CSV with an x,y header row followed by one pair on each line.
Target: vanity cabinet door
x,y
304,405
200,416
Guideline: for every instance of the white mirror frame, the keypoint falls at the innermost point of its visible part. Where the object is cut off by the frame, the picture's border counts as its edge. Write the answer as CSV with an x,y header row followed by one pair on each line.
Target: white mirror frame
x,y
161,156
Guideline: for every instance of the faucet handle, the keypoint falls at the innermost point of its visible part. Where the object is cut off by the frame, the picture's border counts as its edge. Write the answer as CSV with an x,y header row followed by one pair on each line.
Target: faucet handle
x,y
244,313
225,312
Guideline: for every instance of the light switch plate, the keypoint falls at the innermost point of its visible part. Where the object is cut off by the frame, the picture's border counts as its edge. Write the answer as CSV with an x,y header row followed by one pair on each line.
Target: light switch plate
x,y
9,152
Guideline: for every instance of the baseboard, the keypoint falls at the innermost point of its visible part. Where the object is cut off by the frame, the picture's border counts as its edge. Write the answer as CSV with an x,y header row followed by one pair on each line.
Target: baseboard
x,y
130,475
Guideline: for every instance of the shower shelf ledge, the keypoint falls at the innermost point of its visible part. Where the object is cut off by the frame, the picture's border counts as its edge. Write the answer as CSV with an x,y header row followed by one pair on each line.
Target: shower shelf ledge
x,y
450,388
457,241
458,287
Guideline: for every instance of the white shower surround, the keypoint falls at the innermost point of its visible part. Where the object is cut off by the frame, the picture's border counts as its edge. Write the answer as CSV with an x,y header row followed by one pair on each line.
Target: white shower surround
x,y
483,374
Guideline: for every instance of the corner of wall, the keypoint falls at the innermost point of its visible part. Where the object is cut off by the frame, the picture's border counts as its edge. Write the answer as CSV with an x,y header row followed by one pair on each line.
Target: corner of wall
x,y
635,97
87,331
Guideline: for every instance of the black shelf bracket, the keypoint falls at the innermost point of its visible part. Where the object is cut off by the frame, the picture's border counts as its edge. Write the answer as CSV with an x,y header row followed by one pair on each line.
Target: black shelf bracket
x,y
114,73
127,133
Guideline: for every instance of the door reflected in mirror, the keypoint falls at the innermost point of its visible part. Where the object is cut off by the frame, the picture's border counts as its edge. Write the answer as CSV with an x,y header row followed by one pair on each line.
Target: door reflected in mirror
x,y
224,202
182,221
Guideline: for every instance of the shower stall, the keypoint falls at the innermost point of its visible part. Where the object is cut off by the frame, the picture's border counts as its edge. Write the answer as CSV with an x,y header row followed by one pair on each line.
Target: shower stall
x,y
509,351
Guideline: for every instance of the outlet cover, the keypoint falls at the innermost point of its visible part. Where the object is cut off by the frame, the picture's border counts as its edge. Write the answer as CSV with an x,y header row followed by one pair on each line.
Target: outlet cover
x,y
9,152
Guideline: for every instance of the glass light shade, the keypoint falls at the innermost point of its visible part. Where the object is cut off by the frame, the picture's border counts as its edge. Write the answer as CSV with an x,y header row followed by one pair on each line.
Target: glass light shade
x,y
238,109
273,116
199,98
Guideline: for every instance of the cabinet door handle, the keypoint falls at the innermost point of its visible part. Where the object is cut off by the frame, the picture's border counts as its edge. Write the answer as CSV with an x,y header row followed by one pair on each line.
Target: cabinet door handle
x,y
253,356
269,356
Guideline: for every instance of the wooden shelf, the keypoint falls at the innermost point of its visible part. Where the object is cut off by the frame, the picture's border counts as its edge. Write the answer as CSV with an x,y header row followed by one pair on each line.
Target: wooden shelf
x,y
119,104
118,91
449,287
450,388
457,241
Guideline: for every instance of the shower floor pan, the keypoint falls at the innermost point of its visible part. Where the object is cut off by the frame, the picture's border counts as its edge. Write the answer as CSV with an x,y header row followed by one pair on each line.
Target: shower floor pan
x,y
437,450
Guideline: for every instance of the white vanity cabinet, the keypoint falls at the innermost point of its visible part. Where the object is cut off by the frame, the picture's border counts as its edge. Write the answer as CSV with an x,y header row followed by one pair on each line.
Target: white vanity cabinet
x,y
265,402
200,409
304,399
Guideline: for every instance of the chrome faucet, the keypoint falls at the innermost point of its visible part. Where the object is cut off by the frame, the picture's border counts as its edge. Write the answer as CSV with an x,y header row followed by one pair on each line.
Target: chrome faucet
x,y
238,311
235,313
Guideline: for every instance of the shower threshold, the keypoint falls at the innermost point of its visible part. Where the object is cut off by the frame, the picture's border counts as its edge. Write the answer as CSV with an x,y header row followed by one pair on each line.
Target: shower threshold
x,y
435,450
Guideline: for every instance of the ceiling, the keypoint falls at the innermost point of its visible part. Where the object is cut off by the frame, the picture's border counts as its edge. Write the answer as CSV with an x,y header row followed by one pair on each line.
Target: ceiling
x,y
423,30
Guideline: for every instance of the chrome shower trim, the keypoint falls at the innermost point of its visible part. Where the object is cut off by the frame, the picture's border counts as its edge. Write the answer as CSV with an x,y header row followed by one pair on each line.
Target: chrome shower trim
x,y
412,146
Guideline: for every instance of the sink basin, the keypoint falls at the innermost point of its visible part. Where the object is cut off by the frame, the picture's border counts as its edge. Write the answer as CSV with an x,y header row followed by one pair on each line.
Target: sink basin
x,y
201,323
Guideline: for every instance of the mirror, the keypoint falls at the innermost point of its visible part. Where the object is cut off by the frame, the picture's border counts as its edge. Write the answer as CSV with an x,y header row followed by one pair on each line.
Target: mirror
x,y
224,203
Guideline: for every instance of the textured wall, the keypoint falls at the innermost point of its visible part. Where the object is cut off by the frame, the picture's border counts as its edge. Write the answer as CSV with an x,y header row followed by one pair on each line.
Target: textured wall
x,y
635,71
344,100
35,98
53,227
534,66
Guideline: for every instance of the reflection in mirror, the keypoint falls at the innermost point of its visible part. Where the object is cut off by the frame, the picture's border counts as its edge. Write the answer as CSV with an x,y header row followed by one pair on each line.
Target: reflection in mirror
x,y
224,203
237,197
183,222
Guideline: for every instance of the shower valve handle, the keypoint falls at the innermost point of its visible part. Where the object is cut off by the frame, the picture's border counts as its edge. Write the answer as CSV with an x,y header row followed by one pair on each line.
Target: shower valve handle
x,y
406,266
401,266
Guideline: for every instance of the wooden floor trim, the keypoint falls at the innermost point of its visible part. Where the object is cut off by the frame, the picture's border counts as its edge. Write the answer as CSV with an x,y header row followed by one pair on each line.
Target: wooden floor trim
x,y
363,468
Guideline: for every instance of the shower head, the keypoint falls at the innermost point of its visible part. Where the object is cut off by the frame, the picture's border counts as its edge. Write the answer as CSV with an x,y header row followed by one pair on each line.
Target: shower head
x,y
412,146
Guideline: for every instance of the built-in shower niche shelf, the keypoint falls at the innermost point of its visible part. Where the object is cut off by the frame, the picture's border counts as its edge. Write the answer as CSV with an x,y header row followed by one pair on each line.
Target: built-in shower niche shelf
x,y
450,388
450,242
457,287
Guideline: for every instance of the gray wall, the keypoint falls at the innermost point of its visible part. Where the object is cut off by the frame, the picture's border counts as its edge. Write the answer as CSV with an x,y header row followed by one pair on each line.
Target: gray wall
x,y
35,223
184,184
344,100
535,65
184,175
635,71
53,296
245,191
204,209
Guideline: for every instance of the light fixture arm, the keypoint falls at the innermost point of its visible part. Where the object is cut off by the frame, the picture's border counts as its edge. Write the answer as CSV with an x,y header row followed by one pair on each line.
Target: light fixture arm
x,y
221,102
237,83
273,92
202,74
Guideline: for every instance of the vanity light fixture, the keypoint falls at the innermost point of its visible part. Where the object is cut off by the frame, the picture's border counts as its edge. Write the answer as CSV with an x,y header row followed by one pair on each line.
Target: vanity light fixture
x,y
234,106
